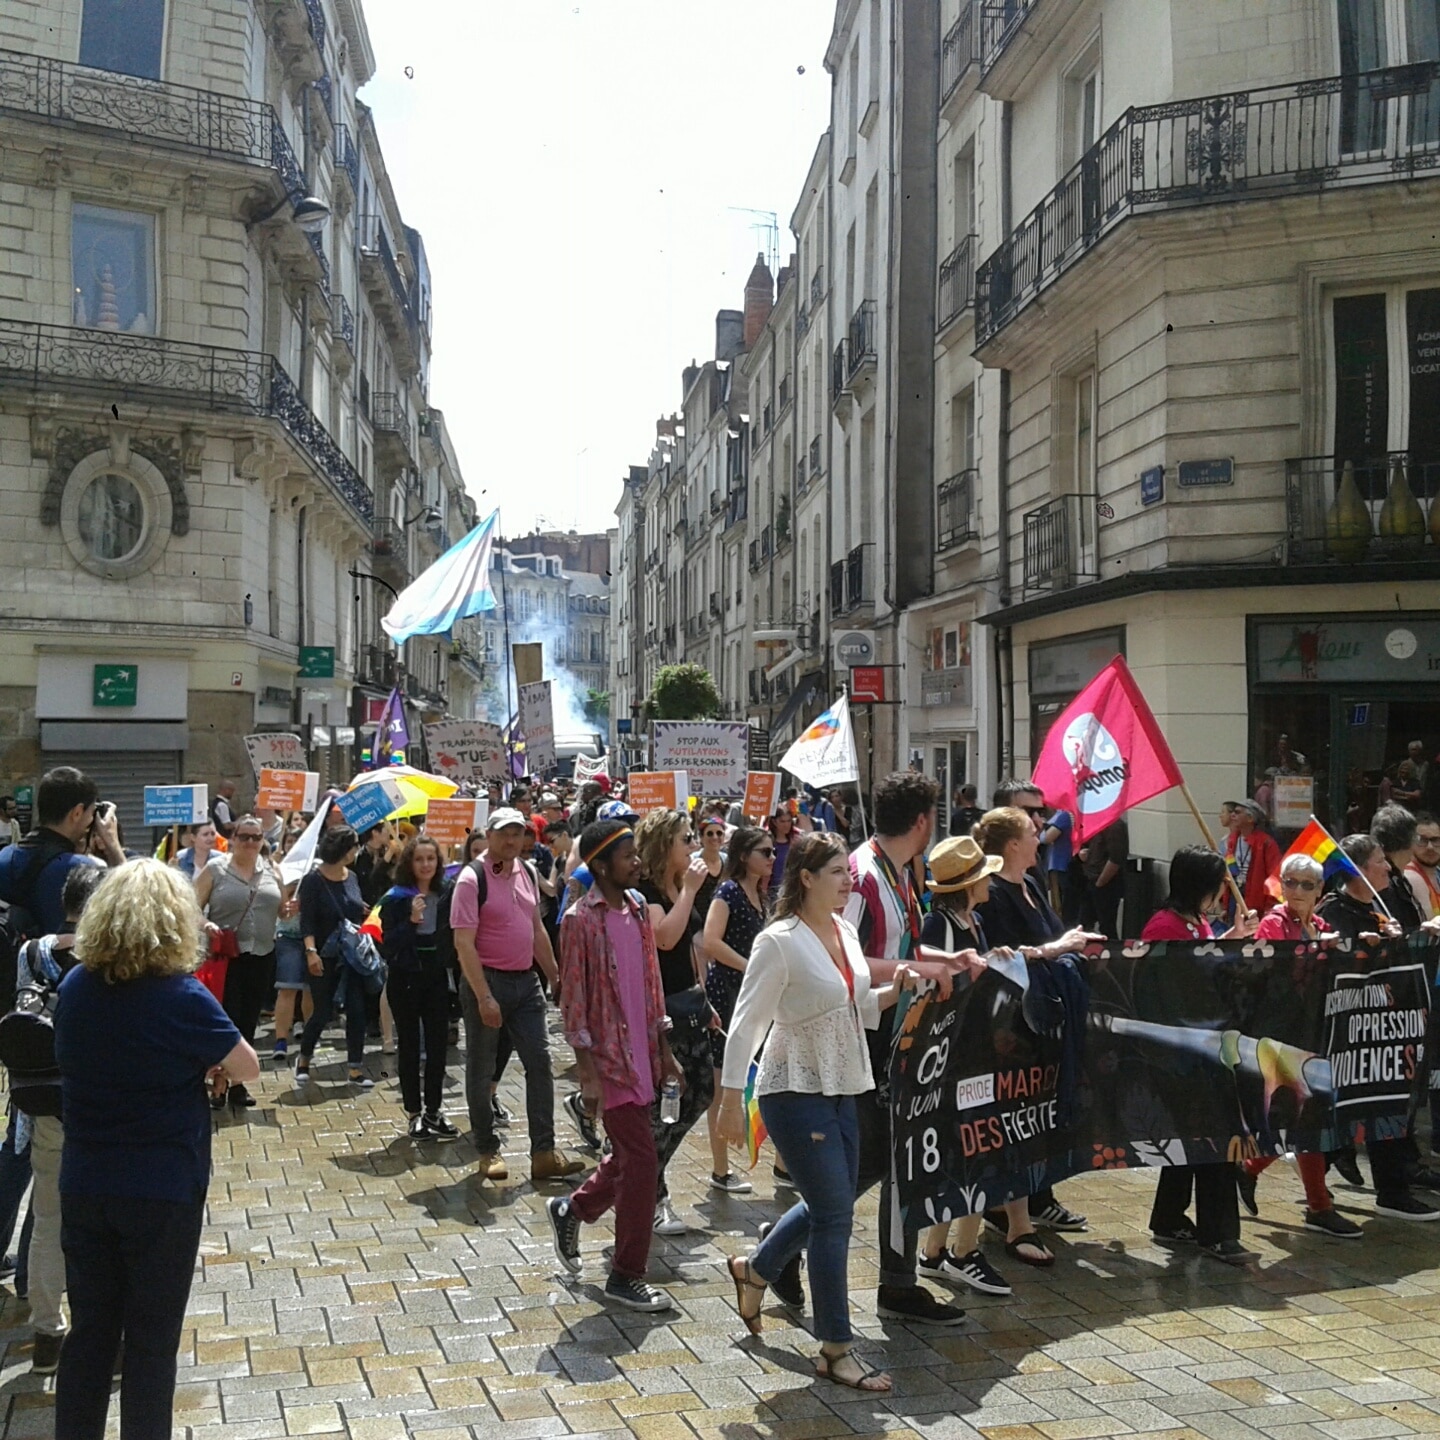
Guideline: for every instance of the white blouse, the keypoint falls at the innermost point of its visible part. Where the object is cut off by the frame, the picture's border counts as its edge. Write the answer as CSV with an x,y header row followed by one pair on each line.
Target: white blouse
x,y
817,1043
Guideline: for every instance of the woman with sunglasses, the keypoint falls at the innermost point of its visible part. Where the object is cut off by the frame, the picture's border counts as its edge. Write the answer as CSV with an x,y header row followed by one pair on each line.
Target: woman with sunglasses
x,y
736,916
712,852
242,892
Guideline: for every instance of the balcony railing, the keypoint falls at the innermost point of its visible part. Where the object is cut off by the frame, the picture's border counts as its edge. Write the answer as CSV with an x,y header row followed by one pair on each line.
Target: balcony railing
x,y
784,397
765,543
347,157
1309,136
387,539
149,112
1000,21
959,50
817,286
342,320
851,582
839,372
815,456
115,367
837,587
754,556
1059,545
375,247
1385,509
378,667
955,519
957,282
714,604
860,339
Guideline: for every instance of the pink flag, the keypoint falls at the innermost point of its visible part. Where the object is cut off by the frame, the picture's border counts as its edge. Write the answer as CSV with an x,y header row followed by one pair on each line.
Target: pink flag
x,y
1105,753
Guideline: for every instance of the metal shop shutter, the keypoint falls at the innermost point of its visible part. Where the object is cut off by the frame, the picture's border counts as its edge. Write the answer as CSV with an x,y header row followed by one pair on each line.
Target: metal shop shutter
x,y
122,776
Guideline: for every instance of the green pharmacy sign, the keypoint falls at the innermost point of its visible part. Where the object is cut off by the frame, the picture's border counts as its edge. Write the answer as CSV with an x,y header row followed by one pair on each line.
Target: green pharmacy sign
x,y
115,686
317,662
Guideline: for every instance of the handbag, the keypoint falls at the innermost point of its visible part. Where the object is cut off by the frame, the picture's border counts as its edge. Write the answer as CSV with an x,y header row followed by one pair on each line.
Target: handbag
x,y
690,1007
352,947
225,943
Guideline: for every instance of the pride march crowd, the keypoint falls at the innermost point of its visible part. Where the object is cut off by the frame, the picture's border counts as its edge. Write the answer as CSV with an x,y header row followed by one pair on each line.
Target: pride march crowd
x,y
881,1006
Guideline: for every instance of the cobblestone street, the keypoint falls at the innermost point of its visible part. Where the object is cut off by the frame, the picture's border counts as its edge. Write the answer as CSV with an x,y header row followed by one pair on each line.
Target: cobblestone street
x,y
356,1284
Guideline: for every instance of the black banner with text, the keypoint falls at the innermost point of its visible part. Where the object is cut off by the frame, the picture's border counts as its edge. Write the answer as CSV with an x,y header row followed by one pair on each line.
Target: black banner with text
x,y
1167,1054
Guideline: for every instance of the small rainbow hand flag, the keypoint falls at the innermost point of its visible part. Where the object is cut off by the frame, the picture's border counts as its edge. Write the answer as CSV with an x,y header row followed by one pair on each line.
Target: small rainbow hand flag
x,y
755,1131
1318,843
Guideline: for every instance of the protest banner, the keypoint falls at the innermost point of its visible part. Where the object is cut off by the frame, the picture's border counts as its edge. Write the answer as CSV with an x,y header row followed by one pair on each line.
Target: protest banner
x,y
537,724
715,754
367,805
659,790
283,790
275,752
176,804
448,822
467,750
1174,1054
588,769
762,795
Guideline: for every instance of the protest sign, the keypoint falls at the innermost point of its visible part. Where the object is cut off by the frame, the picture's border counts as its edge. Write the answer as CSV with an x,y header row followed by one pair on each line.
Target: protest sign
x,y
588,769
537,724
283,789
448,822
715,754
762,795
367,805
467,750
1174,1054
275,752
659,790
176,804
1293,800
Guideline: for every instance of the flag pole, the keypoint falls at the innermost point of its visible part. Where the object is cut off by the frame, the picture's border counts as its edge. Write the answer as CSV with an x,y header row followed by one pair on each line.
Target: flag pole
x,y
859,788
1241,906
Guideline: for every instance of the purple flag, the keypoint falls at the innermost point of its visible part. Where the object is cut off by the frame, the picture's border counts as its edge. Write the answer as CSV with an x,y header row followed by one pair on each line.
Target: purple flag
x,y
391,734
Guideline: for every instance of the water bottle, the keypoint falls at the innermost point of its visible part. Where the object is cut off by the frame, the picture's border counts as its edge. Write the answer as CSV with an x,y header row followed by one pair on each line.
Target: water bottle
x,y
669,1102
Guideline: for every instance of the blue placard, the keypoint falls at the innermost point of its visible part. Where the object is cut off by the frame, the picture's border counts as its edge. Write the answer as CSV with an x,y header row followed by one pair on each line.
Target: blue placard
x,y
365,807
1360,714
1206,472
176,804
1152,485
623,727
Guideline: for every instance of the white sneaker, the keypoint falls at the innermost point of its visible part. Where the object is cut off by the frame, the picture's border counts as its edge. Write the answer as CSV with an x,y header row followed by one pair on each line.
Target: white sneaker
x,y
667,1222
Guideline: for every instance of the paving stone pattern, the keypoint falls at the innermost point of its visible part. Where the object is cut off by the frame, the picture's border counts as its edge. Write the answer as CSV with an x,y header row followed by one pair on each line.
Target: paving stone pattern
x,y
352,1283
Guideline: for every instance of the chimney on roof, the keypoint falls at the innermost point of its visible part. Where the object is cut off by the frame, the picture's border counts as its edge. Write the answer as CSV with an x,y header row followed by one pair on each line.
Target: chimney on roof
x,y
730,332
688,377
759,300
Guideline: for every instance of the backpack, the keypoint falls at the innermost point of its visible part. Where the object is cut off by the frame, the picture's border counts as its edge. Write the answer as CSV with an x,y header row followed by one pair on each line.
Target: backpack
x,y
27,1045
18,922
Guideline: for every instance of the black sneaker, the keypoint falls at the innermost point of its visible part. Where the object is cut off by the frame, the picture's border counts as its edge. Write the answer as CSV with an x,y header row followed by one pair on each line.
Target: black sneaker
x,y
439,1128
566,1227
1406,1207
1426,1177
1056,1217
915,1302
45,1359
636,1294
1333,1224
417,1128
584,1122
1181,1234
787,1287
1245,1183
782,1179
501,1114
972,1271
1231,1252
1348,1168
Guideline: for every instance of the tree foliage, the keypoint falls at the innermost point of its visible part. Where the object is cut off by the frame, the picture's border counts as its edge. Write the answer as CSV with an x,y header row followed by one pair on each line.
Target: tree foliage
x,y
683,692
596,707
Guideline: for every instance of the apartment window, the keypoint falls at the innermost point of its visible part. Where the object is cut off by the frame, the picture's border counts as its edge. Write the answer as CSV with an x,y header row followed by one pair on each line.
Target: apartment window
x,y
1372,34
1082,108
123,35
964,193
962,431
854,96
113,269
1085,434
874,51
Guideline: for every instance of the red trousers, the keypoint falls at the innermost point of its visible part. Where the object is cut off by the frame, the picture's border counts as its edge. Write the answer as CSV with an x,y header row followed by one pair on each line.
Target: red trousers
x,y
626,1179
1311,1165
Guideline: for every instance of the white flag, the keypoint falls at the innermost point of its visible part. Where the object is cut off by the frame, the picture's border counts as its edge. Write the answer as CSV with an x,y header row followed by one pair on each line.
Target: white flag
x,y
825,753
300,858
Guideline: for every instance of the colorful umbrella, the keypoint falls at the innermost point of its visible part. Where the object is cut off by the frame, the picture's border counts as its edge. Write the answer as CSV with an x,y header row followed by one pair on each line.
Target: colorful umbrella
x,y
418,788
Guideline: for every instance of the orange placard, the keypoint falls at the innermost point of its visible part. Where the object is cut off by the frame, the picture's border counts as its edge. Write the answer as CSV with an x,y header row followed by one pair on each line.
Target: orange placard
x,y
762,794
281,790
448,822
658,790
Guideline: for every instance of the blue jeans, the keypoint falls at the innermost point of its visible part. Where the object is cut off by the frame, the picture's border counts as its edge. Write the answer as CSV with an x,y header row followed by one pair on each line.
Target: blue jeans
x,y
819,1136
14,1182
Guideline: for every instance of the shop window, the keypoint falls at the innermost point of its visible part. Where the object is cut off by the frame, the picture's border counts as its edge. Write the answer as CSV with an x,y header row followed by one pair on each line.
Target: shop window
x,y
123,35
113,269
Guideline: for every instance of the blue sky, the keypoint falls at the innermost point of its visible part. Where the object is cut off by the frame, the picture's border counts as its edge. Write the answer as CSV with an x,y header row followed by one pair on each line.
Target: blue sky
x,y
576,170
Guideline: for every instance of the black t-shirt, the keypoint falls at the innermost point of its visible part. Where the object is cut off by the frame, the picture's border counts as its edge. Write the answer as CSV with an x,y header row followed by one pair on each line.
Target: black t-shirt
x,y
324,903
1009,920
677,967
1351,917
964,818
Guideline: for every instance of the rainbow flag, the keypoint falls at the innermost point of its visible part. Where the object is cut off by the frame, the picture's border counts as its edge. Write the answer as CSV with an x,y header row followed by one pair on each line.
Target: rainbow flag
x,y
755,1132
1318,843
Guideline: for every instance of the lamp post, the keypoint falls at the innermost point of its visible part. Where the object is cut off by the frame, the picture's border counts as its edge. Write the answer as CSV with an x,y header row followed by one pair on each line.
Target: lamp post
x,y
400,656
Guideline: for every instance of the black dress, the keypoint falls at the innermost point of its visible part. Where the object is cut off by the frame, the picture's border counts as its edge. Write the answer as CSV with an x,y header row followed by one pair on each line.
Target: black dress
x,y
1010,920
722,982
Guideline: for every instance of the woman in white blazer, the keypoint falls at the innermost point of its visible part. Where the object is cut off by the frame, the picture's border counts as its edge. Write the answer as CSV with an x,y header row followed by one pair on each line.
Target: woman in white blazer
x,y
808,986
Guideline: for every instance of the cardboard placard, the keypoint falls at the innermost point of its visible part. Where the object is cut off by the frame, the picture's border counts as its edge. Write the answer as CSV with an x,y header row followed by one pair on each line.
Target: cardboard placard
x,y
369,804
714,753
659,790
1292,798
448,822
176,804
275,752
283,789
762,795
537,724
467,750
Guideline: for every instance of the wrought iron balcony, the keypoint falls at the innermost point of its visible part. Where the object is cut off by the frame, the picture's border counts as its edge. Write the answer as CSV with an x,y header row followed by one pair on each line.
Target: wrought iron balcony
x,y
839,373
1000,22
860,339
1294,139
317,244
837,587
149,112
1386,509
387,545
957,282
1059,544
714,604
955,518
394,441
342,321
389,293
347,158
112,367
959,51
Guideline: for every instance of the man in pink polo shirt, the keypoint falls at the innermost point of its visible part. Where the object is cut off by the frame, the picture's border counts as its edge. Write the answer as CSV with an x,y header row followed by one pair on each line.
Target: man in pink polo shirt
x,y
498,941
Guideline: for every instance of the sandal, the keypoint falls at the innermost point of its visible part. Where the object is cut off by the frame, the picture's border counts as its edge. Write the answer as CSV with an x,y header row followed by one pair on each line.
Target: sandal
x,y
1031,1240
860,1377
744,1282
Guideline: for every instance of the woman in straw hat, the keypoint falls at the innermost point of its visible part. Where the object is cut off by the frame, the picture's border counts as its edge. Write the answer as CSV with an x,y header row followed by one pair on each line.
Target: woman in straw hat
x,y
960,874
